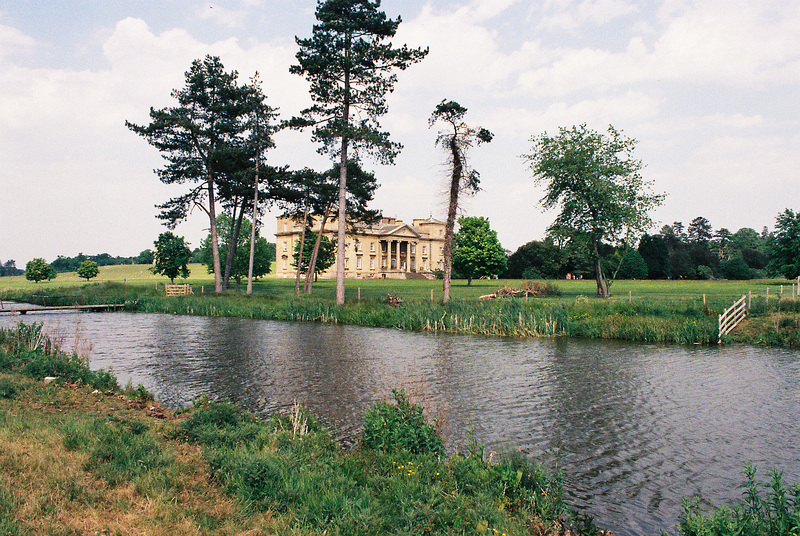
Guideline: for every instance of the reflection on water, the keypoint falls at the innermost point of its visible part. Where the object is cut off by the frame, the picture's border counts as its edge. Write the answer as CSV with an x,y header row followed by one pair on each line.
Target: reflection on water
x,y
635,427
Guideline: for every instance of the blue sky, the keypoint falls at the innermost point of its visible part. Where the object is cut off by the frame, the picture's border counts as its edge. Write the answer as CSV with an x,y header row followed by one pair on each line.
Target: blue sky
x,y
709,88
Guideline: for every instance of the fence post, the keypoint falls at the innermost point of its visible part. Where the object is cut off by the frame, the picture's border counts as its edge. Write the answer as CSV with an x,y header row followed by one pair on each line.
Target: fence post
x,y
749,299
630,297
431,295
767,295
359,294
704,300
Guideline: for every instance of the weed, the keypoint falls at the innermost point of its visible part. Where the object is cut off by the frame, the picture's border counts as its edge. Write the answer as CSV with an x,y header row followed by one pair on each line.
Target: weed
x,y
399,427
767,508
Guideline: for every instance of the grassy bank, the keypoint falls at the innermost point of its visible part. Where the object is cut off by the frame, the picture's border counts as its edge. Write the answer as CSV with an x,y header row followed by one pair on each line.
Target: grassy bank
x,y
81,456
682,312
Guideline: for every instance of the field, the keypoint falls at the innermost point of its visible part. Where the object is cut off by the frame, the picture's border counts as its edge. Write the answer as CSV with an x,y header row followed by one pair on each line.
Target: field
x,y
652,311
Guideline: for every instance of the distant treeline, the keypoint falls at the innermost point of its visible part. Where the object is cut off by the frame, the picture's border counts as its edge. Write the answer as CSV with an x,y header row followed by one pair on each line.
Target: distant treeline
x,y
10,268
676,252
70,264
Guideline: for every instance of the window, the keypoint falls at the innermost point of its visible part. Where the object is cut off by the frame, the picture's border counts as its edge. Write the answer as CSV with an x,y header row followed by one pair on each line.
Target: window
x,y
413,249
358,263
285,245
358,245
424,250
346,263
285,227
372,246
372,263
284,263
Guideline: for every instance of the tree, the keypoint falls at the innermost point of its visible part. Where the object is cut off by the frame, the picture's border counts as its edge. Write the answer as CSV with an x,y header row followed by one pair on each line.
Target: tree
x,y
456,140
597,184
145,257
207,142
536,260
735,268
87,270
632,266
784,245
263,255
325,256
349,64
700,230
477,251
171,256
38,270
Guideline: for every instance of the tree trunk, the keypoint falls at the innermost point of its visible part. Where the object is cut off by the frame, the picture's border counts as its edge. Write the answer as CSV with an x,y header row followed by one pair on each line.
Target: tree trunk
x,y
312,262
233,244
253,235
340,253
212,215
602,286
455,186
302,247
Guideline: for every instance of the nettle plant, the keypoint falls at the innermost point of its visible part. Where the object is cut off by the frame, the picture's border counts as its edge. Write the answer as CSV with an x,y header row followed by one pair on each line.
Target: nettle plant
x,y
400,427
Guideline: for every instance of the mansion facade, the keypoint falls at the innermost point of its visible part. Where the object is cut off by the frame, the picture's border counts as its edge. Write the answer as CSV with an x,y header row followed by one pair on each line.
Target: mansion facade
x,y
390,249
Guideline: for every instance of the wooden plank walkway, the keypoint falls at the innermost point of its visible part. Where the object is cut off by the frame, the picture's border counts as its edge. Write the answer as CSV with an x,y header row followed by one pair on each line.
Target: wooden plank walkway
x,y
34,310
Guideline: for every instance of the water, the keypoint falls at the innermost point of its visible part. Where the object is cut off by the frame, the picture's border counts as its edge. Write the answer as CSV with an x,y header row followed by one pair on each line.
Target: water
x,y
635,427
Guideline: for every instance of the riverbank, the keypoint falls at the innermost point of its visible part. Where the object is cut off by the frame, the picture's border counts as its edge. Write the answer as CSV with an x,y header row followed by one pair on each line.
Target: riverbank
x,y
80,455
671,312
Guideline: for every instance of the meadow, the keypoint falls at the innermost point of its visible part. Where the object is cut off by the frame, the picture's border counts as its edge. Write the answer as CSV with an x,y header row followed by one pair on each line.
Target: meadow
x,y
652,311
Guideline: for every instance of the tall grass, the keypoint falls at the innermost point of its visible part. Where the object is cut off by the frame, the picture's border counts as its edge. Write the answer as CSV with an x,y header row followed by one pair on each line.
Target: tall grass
x,y
766,509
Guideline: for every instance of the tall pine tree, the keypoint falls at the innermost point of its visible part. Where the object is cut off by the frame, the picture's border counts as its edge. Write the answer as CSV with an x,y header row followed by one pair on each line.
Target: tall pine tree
x,y
350,65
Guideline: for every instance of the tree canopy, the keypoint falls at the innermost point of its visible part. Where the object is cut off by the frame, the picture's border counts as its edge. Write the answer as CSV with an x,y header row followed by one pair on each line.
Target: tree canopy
x,y
171,254
596,183
87,270
350,65
38,269
477,251
209,141
785,245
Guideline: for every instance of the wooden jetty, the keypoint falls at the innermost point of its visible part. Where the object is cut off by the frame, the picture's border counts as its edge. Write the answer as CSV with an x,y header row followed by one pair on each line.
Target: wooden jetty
x,y
92,308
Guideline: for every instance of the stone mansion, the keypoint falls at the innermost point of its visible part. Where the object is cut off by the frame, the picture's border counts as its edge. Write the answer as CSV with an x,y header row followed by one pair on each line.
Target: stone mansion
x,y
390,249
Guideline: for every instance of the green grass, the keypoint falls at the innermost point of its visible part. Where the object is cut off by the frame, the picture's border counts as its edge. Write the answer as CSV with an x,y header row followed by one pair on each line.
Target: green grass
x,y
652,311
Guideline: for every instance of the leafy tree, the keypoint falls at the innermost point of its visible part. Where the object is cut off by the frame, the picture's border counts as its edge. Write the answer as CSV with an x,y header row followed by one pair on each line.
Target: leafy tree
x,y
325,257
735,268
349,64
456,140
38,270
145,257
87,270
536,260
171,256
722,242
207,142
595,181
700,230
263,255
784,246
632,265
477,250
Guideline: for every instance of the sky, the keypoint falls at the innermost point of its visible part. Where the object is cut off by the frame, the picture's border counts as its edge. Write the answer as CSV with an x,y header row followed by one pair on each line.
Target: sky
x,y
709,88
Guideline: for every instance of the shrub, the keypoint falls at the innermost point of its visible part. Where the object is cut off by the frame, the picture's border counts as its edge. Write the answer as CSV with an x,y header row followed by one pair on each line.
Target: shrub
x,y
735,269
7,389
705,272
399,427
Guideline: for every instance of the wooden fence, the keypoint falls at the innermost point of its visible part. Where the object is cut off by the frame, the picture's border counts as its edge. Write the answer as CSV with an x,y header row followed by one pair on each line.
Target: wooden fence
x,y
178,290
732,316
